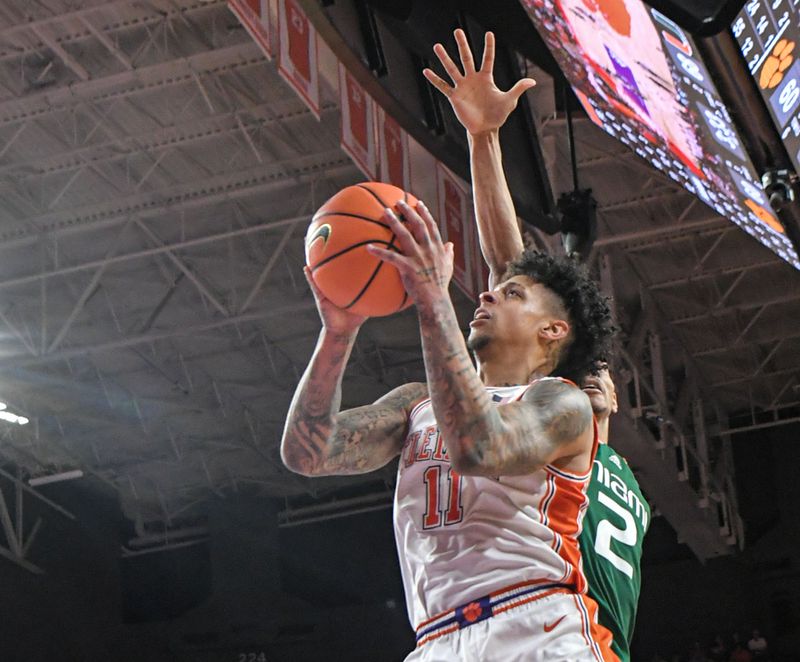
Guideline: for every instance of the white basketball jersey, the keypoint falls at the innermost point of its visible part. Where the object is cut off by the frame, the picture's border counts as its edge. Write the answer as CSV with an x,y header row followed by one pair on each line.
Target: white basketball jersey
x,y
462,537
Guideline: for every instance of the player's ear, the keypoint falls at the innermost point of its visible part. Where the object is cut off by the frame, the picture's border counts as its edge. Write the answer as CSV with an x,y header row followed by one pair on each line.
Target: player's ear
x,y
555,330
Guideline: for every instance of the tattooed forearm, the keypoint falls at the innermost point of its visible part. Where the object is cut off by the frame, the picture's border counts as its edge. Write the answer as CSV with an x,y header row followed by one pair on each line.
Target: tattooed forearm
x,y
316,401
482,438
465,415
320,440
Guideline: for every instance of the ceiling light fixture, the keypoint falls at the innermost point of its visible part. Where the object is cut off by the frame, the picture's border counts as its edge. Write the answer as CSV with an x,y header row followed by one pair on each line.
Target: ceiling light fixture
x,y
55,478
11,417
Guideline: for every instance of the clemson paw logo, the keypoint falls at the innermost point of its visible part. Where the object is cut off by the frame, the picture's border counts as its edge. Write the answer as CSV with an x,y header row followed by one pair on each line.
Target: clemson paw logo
x,y
776,64
472,612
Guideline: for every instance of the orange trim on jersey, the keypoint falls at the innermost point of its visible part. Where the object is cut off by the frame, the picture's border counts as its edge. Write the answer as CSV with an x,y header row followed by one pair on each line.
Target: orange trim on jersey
x,y
596,636
588,473
564,516
567,475
438,633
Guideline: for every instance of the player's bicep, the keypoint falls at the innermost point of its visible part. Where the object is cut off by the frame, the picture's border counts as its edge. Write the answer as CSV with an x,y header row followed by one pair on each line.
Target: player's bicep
x,y
551,422
368,437
563,416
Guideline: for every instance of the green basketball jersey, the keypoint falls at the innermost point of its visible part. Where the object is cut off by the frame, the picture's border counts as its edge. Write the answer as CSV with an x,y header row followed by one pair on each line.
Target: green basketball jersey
x,y
611,545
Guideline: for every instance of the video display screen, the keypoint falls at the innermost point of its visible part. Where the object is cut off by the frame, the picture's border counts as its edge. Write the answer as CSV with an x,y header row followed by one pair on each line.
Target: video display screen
x,y
768,32
640,79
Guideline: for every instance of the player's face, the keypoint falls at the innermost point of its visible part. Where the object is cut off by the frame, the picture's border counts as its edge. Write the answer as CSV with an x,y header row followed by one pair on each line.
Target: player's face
x,y
513,315
601,391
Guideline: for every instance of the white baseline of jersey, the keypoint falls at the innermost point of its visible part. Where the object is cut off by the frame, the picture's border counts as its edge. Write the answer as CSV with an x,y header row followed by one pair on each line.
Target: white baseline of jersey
x,y
463,537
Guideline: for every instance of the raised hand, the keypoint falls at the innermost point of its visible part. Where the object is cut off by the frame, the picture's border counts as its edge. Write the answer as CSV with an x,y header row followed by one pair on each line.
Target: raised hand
x,y
425,262
334,319
478,103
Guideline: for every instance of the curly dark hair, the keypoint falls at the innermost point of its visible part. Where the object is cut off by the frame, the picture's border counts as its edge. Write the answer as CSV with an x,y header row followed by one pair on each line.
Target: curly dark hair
x,y
589,313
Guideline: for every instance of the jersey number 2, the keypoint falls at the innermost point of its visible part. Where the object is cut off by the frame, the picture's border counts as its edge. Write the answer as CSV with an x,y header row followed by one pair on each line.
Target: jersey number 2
x,y
435,511
606,531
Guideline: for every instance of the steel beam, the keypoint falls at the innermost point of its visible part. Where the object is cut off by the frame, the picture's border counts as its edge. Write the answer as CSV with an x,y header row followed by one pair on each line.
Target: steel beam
x,y
740,342
269,266
749,377
62,54
87,292
131,341
660,233
110,46
226,186
739,307
695,277
267,226
189,273
137,81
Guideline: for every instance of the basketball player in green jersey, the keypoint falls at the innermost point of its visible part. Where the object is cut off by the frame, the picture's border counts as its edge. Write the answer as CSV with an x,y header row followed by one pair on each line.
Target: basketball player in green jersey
x,y
618,515
614,525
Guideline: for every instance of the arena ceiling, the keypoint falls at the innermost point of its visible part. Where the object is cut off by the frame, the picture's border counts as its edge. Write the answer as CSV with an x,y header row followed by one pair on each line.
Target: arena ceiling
x,y
157,176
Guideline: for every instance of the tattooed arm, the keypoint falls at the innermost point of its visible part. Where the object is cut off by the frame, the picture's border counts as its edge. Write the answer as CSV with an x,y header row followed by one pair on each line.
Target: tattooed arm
x,y
318,440
551,424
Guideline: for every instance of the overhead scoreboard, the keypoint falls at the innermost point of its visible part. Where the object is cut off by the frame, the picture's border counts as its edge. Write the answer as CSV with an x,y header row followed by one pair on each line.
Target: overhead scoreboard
x,y
640,78
768,32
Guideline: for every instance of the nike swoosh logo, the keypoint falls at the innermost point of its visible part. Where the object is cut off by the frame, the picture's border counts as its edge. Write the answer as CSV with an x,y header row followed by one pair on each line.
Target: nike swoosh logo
x,y
552,626
322,232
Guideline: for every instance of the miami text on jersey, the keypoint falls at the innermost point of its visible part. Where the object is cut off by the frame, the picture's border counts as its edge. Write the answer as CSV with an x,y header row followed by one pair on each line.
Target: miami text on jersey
x,y
618,488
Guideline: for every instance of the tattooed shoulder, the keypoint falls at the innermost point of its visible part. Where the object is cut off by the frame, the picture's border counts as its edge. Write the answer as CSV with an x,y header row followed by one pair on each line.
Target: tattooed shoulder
x,y
406,396
562,409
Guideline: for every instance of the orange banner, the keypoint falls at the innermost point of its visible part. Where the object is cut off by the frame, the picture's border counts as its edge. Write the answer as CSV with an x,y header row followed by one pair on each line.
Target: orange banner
x,y
358,124
455,221
254,16
395,161
297,56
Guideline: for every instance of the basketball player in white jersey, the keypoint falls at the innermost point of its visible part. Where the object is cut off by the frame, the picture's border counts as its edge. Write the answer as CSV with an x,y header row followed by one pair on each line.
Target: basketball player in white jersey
x,y
482,108
494,461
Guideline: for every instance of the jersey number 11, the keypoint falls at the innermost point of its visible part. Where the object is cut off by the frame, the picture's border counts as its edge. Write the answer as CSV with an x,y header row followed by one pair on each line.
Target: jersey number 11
x,y
436,511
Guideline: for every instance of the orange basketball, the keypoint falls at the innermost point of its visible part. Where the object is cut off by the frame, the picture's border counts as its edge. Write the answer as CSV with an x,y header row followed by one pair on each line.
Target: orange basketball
x,y
336,250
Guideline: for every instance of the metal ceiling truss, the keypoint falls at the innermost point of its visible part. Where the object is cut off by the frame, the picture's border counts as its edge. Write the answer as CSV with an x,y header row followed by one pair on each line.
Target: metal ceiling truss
x,y
18,539
683,441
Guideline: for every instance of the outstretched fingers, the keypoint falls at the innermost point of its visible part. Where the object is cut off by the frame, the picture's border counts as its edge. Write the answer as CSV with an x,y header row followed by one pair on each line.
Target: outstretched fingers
x,y
437,82
464,52
487,64
448,64
520,87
